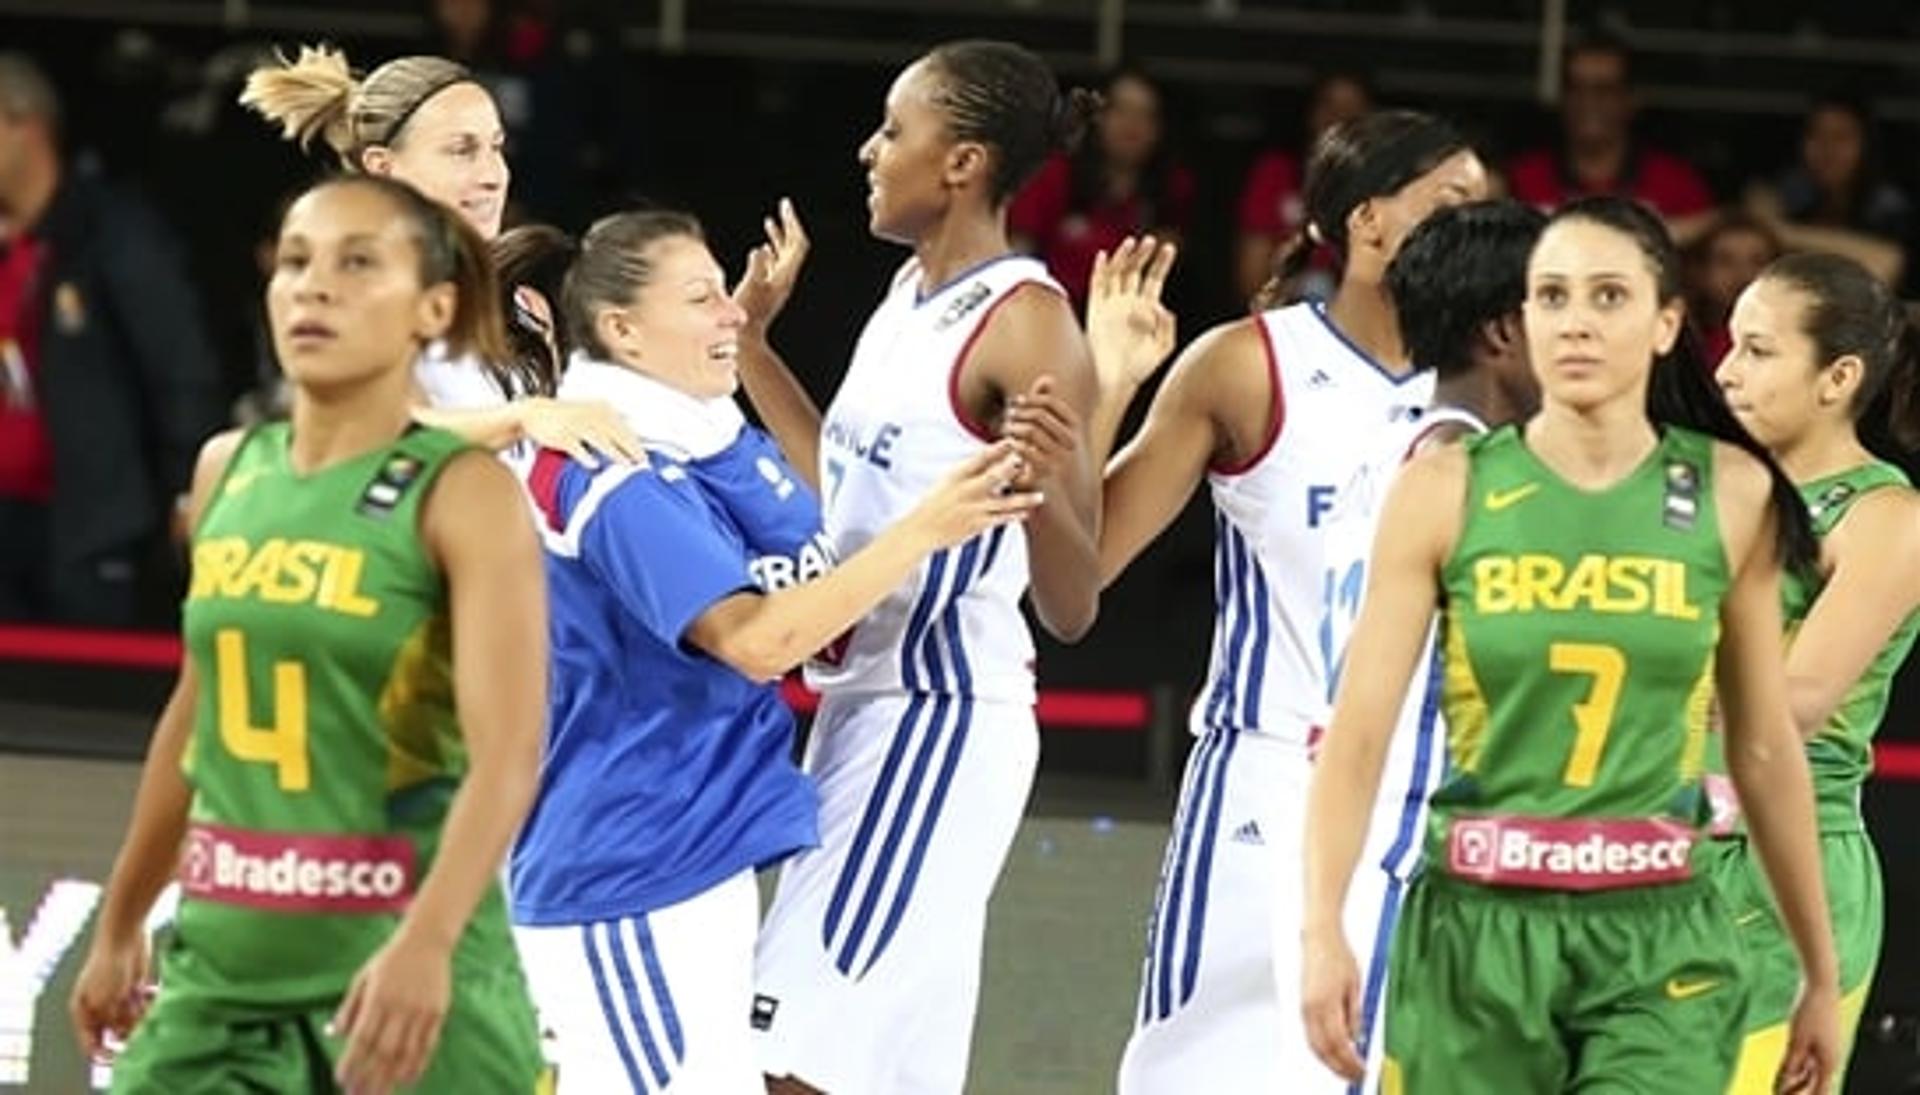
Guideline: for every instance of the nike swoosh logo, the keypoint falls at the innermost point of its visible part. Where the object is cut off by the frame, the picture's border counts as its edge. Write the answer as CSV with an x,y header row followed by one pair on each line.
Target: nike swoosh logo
x,y
240,481
1501,499
1684,990
1748,917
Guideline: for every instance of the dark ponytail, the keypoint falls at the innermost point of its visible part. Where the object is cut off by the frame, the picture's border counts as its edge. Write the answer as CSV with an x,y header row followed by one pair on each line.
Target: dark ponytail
x,y
1005,97
1851,313
534,257
1371,156
1681,391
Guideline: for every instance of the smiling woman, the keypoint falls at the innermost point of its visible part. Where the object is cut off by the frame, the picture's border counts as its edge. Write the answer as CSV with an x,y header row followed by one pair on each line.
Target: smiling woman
x,y
426,122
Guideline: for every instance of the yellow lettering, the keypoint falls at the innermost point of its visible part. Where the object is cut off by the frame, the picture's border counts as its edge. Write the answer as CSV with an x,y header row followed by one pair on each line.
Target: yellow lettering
x,y
1540,578
259,571
214,562
1588,583
296,580
340,588
1627,576
282,572
1493,585
1617,585
284,744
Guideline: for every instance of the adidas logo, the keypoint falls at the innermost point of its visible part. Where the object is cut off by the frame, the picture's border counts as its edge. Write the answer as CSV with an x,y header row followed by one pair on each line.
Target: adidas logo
x,y
1249,833
1319,378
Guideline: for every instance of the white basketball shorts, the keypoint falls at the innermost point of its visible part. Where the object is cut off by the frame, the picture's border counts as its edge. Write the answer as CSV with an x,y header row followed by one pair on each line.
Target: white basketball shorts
x,y
869,961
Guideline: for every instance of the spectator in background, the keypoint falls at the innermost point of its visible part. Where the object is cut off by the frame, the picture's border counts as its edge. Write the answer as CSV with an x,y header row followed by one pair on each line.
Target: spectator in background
x,y
1598,154
1836,198
1122,181
110,383
1735,248
1272,206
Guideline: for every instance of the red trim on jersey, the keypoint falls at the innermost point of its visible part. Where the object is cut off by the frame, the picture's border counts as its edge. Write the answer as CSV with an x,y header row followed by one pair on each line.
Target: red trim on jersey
x,y
960,361
1279,409
543,483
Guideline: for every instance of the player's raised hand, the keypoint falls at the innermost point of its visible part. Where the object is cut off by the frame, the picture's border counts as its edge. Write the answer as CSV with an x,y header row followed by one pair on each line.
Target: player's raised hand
x,y
773,268
1814,1045
1044,430
391,1016
975,496
1330,1003
587,430
1129,330
110,995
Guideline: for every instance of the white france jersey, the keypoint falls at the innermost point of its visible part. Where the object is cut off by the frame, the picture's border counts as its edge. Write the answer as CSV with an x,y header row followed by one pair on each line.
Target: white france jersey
x,y
896,429
1415,757
1332,403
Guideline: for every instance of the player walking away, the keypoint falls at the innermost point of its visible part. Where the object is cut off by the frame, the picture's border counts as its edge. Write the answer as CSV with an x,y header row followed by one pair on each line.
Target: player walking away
x,y
1213,1010
925,743
428,122
683,589
1821,353
1457,284
356,730
1600,571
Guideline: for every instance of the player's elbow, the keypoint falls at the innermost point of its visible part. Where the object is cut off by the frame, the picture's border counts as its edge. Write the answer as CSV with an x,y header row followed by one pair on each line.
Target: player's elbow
x,y
757,655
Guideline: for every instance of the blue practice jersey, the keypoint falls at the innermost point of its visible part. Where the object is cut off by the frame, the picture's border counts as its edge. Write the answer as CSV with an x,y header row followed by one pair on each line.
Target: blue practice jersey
x,y
665,771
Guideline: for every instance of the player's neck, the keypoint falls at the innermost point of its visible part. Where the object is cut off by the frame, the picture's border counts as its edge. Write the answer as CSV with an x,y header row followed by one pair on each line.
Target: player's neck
x,y
335,425
1598,162
1477,395
1591,449
1362,312
1823,453
958,244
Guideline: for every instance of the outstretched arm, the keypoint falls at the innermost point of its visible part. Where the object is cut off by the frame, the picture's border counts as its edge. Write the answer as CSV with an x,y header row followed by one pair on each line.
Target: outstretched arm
x,y
791,416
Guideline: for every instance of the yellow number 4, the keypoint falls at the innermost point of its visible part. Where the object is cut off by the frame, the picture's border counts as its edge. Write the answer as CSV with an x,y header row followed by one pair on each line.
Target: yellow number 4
x,y
284,745
1592,717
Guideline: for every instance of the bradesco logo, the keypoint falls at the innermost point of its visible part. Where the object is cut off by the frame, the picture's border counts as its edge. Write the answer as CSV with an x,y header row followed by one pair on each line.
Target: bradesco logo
x,y
1569,853
297,872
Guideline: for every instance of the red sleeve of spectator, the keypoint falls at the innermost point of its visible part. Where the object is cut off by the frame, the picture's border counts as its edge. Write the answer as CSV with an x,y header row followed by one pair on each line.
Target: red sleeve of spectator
x,y
1039,207
1180,191
1671,185
1271,178
1532,178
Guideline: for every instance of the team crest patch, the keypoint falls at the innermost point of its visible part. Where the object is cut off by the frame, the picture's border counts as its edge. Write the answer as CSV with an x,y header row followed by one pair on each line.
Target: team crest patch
x,y
1681,506
389,485
973,296
1835,495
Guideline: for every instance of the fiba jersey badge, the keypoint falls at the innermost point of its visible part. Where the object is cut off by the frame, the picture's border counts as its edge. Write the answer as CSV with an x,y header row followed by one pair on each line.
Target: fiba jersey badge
x,y
1681,505
973,296
389,485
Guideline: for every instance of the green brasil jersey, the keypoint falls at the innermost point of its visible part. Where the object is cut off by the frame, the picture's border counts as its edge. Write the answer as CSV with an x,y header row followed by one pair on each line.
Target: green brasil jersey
x,y
1841,754
320,634
1578,639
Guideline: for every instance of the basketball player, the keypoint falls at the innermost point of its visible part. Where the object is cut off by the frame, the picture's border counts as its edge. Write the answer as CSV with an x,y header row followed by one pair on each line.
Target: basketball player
x,y
683,590
925,743
355,734
428,122
1275,412
1821,353
1600,570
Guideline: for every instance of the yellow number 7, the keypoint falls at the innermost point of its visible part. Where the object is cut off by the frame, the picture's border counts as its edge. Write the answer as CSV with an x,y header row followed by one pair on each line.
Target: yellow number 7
x,y
1592,717
284,745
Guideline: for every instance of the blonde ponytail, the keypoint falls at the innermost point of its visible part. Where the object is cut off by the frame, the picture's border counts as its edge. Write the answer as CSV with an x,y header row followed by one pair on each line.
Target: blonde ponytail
x,y
308,97
316,95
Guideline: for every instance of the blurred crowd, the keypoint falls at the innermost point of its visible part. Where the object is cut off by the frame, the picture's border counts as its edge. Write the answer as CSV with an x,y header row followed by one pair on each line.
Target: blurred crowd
x,y
129,308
